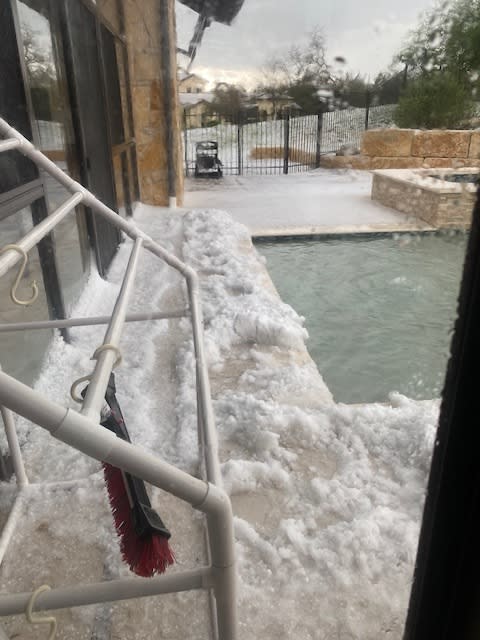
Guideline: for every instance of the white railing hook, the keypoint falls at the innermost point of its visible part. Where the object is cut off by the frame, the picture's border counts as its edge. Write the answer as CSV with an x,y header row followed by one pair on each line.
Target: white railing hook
x,y
21,271
73,389
36,619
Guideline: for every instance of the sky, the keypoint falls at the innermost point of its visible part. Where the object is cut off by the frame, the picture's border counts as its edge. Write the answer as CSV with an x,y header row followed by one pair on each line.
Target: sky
x,y
366,33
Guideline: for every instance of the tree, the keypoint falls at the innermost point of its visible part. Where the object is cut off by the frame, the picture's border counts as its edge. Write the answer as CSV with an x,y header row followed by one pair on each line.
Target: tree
x,y
462,50
298,71
425,49
275,82
313,60
351,90
39,61
44,86
388,87
442,58
448,39
435,99
299,63
229,101
305,94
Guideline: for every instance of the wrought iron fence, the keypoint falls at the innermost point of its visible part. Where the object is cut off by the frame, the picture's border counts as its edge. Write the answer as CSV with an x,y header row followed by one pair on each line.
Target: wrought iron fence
x,y
255,146
348,125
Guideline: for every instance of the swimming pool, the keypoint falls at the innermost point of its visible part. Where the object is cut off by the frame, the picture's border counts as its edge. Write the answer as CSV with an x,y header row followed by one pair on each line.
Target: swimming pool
x,y
379,309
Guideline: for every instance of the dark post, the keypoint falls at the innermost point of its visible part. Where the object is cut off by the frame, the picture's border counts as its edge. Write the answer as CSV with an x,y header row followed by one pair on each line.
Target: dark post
x,y
367,108
168,67
319,139
405,76
445,592
239,143
185,141
286,142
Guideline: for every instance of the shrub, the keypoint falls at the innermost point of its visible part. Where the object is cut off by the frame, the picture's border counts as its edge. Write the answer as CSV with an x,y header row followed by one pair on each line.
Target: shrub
x,y
434,100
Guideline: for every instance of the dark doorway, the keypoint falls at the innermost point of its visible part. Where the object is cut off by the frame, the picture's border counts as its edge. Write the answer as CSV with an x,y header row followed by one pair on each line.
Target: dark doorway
x,y
90,116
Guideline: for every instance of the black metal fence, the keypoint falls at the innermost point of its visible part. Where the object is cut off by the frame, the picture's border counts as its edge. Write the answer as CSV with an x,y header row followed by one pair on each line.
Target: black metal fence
x,y
287,145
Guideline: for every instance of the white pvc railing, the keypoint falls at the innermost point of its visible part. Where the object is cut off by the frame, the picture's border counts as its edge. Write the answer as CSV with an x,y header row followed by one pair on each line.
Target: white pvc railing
x,y
82,431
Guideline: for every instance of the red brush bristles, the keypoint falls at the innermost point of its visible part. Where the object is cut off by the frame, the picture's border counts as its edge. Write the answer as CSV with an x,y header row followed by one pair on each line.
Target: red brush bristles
x,y
146,555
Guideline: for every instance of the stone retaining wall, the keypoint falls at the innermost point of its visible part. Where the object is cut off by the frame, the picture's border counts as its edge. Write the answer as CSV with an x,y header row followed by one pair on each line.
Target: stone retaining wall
x,y
411,148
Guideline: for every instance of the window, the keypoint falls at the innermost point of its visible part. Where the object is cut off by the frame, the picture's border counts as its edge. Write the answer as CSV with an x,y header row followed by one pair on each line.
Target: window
x,y
51,108
22,351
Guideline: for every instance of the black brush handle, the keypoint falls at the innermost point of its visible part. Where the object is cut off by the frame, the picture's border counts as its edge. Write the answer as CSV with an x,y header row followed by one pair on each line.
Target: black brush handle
x,y
146,520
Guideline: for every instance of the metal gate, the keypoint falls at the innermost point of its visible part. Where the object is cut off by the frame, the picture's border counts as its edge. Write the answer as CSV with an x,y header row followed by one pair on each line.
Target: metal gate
x,y
254,146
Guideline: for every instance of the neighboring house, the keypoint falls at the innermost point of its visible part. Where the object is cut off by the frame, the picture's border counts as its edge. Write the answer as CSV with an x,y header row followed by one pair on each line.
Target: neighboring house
x,y
191,83
77,78
196,108
272,106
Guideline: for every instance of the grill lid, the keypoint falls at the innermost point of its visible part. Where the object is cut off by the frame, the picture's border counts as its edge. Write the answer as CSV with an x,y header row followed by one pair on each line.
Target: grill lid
x,y
223,11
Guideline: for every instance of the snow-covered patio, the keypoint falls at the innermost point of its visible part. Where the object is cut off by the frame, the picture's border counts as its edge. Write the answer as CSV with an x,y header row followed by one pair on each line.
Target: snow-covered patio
x,y
327,498
321,201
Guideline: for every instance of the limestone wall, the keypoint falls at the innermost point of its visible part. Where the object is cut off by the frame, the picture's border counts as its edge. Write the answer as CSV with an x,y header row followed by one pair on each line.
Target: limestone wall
x,y
143,32
410,148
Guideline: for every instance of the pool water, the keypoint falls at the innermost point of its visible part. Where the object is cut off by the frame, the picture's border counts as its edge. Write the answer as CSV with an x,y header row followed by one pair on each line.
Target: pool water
x,y
467,178
379,310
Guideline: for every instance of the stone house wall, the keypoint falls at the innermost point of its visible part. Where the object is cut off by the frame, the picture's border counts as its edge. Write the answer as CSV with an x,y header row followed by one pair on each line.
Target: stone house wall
x,y
144,40
197,114
270,107
192,84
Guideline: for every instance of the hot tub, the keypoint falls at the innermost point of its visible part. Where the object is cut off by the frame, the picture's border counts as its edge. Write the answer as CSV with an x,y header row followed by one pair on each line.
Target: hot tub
x,y
443,198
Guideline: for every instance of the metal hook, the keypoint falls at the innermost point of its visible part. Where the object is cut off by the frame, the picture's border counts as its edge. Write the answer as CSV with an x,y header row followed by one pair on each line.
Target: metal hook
x,y
112,347
73,389
104,347
35,619
21,271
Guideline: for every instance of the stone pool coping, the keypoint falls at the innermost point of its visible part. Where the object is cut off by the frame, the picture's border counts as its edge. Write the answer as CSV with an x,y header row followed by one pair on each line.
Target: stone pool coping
x,y
316,231
423,178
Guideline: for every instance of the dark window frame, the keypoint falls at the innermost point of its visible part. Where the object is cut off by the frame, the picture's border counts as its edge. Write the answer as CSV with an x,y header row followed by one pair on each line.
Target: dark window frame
x,y
133,186
103,244
20,197
445,595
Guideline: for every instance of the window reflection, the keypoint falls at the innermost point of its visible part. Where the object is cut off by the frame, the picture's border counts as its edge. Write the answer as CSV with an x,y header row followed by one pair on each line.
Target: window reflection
x,y
22,351
49,97
15,170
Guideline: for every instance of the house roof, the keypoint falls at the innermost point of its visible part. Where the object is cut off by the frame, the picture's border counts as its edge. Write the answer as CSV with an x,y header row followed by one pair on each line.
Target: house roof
x,y
183,75
269,96
191,99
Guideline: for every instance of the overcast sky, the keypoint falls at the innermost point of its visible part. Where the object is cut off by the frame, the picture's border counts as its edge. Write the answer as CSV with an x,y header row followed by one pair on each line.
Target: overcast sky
x,y
367,33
